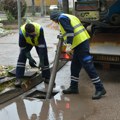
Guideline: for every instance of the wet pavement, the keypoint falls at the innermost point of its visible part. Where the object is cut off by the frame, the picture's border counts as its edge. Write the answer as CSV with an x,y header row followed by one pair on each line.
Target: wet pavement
x,y
60,106
68,107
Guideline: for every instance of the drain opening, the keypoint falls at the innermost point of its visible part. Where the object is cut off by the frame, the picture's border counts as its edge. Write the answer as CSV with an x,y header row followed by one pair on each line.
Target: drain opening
x,y
40,94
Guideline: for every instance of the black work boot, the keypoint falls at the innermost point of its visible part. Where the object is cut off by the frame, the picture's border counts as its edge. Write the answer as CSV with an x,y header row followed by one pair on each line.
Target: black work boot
x,y
98,94
18,82
71,90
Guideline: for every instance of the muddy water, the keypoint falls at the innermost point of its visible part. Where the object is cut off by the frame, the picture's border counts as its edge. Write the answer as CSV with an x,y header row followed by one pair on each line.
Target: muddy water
x,y
69,107
59,108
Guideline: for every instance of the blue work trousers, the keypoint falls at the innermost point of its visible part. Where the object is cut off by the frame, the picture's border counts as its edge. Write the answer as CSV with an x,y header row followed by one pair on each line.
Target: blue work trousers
x,y
82,58
20,69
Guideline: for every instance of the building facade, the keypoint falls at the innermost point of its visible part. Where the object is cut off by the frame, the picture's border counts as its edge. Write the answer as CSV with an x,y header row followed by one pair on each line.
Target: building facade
x,y
38,2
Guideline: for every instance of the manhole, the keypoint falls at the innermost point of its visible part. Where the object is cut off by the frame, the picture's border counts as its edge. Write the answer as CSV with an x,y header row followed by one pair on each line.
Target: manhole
x,y
40,94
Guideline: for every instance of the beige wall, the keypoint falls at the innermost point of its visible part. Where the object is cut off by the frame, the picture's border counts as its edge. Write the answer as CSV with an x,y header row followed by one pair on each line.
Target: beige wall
x,y
29,2
37,2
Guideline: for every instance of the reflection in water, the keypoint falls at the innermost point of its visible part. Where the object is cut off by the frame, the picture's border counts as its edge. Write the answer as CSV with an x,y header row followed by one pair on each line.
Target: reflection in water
x,y
22,110
59,108
9,113
34,117
33,107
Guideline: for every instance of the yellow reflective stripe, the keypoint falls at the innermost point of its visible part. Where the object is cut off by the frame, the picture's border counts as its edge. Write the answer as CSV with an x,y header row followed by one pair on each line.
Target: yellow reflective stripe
x,y
21,63
70,34
78,25
22,48
80,31
41,46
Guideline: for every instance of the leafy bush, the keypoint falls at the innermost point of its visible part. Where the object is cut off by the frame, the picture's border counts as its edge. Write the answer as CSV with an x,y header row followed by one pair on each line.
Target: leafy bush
x,y
10,17
10,7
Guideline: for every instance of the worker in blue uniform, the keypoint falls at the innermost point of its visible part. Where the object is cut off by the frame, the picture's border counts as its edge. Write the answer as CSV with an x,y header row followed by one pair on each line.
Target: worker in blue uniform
x,y
32,35
77,39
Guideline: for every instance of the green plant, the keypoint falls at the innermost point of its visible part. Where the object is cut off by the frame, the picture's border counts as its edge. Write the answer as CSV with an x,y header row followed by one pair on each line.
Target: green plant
x,y
10,17
11,6
1,6
4,70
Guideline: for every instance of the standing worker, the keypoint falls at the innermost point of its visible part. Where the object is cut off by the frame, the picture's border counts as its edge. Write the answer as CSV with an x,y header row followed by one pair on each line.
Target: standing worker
x,y
32,34
77,39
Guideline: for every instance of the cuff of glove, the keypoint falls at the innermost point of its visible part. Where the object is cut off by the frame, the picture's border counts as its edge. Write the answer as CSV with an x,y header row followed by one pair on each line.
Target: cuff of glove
x,y
68,47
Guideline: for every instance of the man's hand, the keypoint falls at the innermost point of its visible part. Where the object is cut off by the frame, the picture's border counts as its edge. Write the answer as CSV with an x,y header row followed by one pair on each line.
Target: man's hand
x,y
68,48
32,63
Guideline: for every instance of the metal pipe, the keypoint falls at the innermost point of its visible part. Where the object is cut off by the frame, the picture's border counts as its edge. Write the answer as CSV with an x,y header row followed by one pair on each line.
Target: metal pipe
x,y
54,69
19,13
42,8
33,7
73,7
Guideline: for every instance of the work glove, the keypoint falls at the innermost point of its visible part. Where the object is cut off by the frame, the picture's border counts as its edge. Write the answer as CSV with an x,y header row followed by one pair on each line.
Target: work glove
x,y
32,62
68,48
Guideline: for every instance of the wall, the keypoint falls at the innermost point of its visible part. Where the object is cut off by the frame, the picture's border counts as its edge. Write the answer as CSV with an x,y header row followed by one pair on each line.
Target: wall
x,y
38,2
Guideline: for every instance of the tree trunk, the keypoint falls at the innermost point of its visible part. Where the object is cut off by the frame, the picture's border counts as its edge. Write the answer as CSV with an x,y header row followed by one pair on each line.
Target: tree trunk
x,y
65,6
33,7
42,7
19,13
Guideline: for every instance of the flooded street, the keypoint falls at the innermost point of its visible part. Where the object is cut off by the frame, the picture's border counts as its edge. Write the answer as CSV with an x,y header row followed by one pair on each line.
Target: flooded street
x,y
69,107
60,107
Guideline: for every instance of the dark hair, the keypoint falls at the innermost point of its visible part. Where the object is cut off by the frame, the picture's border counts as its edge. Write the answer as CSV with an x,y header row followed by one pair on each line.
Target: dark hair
x,y
29,28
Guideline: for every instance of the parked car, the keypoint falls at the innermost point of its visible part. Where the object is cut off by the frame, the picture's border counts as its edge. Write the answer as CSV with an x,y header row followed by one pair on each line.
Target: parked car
x,y
53,7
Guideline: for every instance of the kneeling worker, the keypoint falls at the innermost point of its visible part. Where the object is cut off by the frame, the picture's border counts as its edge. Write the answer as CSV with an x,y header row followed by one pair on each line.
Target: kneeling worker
x,y
32,34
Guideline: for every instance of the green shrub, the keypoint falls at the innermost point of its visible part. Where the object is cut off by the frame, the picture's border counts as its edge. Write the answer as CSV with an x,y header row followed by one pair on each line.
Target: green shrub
x,y
10,17
10,7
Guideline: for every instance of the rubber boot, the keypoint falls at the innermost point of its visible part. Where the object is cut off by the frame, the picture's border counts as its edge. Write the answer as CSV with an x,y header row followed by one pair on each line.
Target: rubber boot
x,y
100,91
73,89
